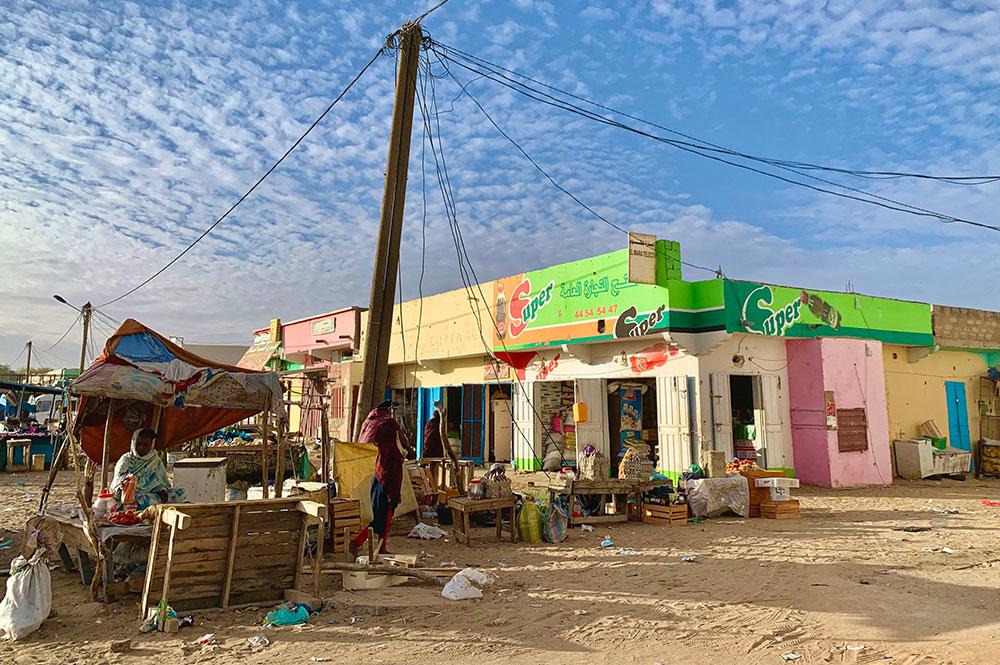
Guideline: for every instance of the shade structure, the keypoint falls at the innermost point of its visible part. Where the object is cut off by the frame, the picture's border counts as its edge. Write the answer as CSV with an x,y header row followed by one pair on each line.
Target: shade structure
x,y
144,372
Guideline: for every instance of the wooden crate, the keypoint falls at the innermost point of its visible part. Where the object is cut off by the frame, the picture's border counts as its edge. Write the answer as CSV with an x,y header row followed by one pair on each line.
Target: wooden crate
x,y
229,553
759,495
780,510
344,513
665,515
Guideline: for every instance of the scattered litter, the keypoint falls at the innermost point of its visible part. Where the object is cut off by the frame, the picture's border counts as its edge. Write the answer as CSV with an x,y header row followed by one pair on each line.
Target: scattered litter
x,y
448,564
7,543
500,621
885,571
467,584
588,528
426,532
991,504
20,483
319,659
622,551
607,542
333,622
258,641
946,511
502,563
853,647
354,620
943,550
98,621
689,558
947,550
696,520
285,616
791,655
186,622
208,638
632,575
912,529
580,613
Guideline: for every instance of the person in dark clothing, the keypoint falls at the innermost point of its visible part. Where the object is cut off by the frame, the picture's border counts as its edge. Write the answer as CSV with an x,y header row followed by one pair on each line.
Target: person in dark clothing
x,y
382,429
433,443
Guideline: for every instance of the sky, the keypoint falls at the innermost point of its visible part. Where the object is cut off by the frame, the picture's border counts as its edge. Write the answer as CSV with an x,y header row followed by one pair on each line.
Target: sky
x,y
126,129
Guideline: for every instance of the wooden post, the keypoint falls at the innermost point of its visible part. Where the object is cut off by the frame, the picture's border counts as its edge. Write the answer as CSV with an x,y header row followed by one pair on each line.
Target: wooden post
x,y
265,445
379,328
324,438
230,560
318,560
20,399
279,466
147,586
105,453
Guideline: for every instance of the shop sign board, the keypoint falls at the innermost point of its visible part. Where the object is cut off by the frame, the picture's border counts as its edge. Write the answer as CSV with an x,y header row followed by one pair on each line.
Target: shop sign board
x,y
323,326
781,311
641,258
587,300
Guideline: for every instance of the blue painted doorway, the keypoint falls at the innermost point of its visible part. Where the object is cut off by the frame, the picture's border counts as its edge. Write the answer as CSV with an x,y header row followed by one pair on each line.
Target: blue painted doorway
x,y
425,409
958,415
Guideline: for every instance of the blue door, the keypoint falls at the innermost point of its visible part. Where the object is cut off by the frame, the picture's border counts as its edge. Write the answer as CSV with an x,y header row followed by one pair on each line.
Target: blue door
x,y
958,415
425,409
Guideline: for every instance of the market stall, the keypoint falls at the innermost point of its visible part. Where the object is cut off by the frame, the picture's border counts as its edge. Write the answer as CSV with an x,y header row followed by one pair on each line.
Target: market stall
x,y
142,381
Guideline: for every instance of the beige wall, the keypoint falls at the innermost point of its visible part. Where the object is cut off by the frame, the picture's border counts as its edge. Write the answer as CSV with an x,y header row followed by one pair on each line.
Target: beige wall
x,y
453,372
916,392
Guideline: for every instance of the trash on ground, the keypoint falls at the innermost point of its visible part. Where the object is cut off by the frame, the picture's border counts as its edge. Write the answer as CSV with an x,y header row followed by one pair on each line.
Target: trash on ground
x,y
121,646
5,544
319,659
287,616
855,647
946,511
586,527
426,532
912,529
947,550
623,551
580,613
186,622
207,638
502,563
607,542
991,504
258,641
689,558
791,655
28,600
467,584
354,620
333,622
20,483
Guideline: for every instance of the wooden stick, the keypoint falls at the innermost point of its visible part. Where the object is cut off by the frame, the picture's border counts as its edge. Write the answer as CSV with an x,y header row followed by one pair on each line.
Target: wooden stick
x,y
371,544
104,451
279,467
335,566
347,545
167,567
301,554
234,534
265,444
154,544
318,561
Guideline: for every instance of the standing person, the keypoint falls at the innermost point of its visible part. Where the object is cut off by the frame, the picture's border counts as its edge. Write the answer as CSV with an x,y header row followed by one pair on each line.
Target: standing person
x,y
382,429
433,441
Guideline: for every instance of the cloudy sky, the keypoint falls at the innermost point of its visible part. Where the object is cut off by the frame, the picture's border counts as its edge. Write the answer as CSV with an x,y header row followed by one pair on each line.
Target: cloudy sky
x,y
127,128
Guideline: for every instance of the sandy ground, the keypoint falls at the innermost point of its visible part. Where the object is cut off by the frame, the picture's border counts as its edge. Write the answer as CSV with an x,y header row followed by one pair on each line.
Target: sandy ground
x,y
840,577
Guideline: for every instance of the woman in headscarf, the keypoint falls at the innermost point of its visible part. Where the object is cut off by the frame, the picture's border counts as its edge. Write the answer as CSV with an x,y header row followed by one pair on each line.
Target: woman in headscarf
x,y
382,429
143,464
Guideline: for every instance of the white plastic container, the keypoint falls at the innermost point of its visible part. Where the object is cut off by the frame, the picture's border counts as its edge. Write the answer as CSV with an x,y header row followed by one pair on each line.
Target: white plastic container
x,y
104,505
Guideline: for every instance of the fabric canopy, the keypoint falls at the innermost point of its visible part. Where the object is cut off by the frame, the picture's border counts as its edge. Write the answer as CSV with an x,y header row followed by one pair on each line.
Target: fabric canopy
x,y
141,370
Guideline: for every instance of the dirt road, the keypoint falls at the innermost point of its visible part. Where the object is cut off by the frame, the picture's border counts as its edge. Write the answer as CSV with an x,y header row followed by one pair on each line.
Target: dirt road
x,y
841,585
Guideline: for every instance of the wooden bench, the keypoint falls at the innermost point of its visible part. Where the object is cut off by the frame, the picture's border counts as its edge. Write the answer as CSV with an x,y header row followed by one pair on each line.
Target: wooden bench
x,y
12,446
231,553
617,488
464,507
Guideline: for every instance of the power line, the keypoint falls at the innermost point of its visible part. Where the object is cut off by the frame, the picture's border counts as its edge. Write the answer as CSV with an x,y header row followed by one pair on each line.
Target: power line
x,y
23,349
552,180
71,326
255,185
877,175
889,204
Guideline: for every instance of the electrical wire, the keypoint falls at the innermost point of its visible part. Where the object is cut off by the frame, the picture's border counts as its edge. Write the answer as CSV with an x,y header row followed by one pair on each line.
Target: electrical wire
x,y
573,197
255,185
23,349
875,175
702,151
71,326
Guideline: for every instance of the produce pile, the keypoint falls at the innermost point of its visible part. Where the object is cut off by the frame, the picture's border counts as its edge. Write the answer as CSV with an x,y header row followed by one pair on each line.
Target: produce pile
x,y
741,465
131,518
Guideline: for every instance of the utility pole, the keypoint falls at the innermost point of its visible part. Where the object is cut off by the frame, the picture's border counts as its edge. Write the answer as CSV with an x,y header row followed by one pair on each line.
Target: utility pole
x,y
86,311
378,332
27,379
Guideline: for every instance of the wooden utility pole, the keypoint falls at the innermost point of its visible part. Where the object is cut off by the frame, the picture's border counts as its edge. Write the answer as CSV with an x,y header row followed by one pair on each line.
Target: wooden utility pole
x,y
87,311
27,379
379,329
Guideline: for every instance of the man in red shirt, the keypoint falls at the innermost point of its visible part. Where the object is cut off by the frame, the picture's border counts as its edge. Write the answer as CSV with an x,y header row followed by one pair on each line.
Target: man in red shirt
x,y
382,429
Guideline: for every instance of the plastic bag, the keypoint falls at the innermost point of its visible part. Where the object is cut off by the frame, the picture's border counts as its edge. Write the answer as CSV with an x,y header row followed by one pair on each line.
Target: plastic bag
x,y
556,522
29,597
286,617
466,584
426,532
529,523
713,496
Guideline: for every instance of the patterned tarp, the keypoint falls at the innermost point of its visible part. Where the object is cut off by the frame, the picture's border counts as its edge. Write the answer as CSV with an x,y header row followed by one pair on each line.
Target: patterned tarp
x,y
140,370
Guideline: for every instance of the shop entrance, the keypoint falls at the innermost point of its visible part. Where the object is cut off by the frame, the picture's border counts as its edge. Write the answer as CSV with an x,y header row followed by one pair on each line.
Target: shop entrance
x,y
500,423
632,417
747,413
555,409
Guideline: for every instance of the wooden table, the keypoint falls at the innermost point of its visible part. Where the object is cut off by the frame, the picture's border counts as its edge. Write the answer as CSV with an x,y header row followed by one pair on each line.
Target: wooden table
x,y
617,488
445,474
464,507
74,538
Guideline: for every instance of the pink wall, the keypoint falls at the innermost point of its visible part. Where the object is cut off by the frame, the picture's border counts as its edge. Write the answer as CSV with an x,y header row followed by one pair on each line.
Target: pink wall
x,y
853,370
298,336
810,443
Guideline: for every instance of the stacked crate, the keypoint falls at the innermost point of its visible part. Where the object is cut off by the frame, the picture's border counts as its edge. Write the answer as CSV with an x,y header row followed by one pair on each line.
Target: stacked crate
x,y
344,514
780,510
665,515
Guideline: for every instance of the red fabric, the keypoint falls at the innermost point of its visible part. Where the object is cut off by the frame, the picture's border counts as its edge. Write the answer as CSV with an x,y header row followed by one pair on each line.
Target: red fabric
x,y
516,359
362,536
382,429
433,445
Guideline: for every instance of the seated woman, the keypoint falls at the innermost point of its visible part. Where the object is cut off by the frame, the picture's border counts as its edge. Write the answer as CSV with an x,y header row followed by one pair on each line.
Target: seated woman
x,y
143,464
